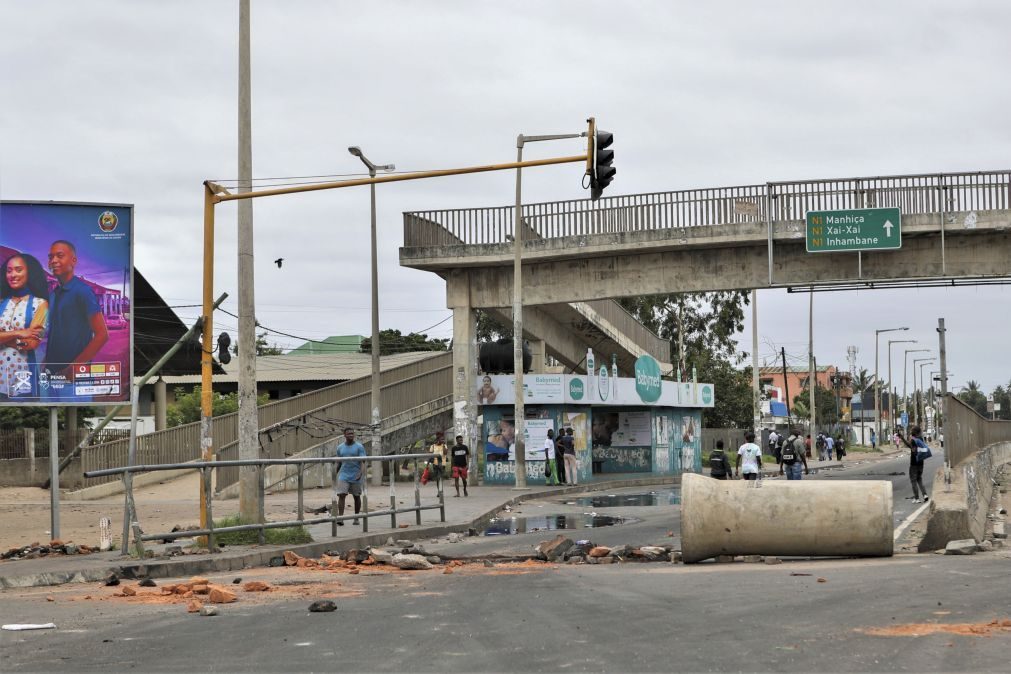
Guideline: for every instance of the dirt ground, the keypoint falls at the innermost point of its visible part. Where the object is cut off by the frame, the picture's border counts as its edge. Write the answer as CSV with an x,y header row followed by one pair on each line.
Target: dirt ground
x,y
24,511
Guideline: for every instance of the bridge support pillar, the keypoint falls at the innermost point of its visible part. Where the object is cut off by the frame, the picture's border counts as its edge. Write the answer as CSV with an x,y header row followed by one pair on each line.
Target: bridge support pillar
x,y
465,370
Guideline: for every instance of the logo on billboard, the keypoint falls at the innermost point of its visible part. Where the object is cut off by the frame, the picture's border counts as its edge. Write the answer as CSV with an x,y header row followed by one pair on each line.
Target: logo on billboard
x,y
576,389
647,379
707,394
108,221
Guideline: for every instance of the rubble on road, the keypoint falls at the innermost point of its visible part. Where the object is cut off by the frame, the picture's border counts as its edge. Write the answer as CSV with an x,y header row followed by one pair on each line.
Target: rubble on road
x,y
54,547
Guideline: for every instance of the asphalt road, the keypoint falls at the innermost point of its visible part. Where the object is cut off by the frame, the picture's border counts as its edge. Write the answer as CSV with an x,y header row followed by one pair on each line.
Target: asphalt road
x,y
906,613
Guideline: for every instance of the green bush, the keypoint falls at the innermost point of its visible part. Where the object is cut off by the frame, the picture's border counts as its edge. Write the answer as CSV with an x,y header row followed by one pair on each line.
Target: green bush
x,y
279,536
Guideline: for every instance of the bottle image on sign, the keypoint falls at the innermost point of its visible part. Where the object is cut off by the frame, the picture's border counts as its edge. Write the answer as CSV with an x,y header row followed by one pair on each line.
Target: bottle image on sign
x,y
603,386
614,377
590,372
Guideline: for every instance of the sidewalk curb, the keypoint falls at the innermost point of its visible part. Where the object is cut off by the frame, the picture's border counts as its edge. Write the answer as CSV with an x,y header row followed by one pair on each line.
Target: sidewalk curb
x,y
259,556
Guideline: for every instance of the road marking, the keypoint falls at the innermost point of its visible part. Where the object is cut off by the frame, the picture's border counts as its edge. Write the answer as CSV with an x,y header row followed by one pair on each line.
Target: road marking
x,y
899,530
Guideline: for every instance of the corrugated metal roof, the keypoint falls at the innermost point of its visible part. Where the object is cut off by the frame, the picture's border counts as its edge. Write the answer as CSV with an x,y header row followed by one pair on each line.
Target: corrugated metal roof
x,y
330,367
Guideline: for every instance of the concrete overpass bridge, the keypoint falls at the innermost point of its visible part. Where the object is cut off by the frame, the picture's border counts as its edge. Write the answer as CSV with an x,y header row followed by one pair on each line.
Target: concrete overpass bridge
x,y
955,230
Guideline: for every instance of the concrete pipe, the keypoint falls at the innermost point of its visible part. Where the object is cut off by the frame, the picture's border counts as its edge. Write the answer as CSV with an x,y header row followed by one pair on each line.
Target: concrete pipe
x,y
784,518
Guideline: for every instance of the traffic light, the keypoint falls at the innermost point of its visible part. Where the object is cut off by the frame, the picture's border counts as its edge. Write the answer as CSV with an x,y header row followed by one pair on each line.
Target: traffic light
x,y
603,158
224,355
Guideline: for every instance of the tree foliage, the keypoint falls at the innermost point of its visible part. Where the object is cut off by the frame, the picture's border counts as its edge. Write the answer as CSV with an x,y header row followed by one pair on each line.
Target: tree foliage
x,y
186,408
974,397
490,329
392,341
12,418
826,406
702,328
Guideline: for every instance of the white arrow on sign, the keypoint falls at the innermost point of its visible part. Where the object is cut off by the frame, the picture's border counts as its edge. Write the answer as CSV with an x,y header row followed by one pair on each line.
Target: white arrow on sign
x,y
888,228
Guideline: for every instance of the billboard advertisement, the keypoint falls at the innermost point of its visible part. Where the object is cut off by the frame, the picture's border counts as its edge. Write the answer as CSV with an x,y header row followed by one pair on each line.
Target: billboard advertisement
x,y
66,302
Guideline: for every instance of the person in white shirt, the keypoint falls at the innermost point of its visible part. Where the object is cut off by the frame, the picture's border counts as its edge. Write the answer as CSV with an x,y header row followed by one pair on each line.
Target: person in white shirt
x,y
750,455
773,442
550,476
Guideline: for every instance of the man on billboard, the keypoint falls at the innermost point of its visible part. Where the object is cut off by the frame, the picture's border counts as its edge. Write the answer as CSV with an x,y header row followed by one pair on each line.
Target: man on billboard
x,y
77,327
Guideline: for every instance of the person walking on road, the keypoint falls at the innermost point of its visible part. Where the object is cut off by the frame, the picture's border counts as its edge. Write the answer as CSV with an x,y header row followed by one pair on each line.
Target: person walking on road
x,y
568,447
461,456
550,474
719,464
918,451
874,439
438,462
751,454
792,457
840,447
829,444
351,474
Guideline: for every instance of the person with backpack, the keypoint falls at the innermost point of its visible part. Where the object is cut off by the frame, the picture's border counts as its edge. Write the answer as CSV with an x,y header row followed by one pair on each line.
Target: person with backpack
x,y
919,452
719,463
792,456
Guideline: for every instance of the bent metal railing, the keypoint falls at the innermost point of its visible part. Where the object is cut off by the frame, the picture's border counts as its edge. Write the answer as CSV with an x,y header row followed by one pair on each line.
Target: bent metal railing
x,y
773,201
131,520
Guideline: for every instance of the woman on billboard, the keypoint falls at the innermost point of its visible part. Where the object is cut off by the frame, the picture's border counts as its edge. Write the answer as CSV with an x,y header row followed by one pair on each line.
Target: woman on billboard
x,y
23,316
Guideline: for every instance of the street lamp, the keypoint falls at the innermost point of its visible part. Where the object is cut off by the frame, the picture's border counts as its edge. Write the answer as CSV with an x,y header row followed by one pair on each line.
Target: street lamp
x,y
877,383
377,436
918,387
905,363
891,396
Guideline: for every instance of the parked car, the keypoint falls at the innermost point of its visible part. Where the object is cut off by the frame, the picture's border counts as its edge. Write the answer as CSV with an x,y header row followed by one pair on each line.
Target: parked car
x,y
115,322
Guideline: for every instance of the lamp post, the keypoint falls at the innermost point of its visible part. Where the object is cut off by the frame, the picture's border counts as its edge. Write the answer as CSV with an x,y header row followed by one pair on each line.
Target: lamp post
x,y
376,418
905,364
918,386
891,396
877,382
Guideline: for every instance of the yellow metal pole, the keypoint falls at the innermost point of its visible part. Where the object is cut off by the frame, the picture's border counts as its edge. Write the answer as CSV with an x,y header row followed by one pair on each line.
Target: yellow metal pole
x,y
206,361
222,195
591,136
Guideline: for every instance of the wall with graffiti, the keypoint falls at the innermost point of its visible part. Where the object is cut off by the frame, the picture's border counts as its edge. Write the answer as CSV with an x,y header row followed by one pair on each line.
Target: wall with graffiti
x,y
499,441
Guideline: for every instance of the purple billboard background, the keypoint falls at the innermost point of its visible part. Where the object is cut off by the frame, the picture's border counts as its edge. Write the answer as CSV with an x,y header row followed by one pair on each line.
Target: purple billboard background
x,y
103,237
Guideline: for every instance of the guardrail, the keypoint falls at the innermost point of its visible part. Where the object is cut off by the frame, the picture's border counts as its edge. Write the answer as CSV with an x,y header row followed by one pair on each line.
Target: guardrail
x,y
966,432
206,467
782,201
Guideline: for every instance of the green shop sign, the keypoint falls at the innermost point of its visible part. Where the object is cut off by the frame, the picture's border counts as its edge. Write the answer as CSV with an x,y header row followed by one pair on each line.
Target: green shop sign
x,y
647,379
576,389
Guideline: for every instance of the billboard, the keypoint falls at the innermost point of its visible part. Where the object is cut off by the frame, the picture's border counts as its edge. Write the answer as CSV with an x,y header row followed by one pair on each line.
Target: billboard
x,y
66,303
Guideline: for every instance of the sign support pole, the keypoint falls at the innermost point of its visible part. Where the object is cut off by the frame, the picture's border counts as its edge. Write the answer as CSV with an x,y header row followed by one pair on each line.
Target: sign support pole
x,y
54,474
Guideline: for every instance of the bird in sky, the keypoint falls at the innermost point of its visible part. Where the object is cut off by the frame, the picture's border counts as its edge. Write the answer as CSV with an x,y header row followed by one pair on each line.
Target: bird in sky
x,y
278,262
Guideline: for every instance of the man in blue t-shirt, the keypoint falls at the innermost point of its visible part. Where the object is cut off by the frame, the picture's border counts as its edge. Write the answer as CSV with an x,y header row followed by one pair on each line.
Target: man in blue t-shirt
x,y
77,327
351,474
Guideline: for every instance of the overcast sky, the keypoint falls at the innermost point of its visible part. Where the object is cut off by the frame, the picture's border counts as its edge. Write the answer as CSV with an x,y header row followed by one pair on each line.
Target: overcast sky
x,y
135,102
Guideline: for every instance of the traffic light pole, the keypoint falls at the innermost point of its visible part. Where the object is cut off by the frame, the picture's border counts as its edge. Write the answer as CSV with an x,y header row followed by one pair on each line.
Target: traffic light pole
x,y
215,194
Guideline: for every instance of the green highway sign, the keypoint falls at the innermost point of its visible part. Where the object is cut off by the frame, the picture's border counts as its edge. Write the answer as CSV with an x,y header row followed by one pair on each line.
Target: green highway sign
x,y
857,229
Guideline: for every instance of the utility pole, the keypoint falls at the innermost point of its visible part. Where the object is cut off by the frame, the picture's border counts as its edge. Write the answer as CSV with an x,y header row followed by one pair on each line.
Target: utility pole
x,y
248,420
812,371
943,406
756,396
786,388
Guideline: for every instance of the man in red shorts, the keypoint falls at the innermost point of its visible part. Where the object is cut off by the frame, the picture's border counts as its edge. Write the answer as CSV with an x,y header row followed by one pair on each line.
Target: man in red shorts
x,y
460,456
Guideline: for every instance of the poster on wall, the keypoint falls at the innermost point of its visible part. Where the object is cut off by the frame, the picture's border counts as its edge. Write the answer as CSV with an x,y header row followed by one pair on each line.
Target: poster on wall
x,y
633,430
501,389
535,432
66,303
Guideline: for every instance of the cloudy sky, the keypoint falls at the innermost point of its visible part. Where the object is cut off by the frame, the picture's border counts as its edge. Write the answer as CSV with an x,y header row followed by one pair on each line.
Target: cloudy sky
x,y
135,102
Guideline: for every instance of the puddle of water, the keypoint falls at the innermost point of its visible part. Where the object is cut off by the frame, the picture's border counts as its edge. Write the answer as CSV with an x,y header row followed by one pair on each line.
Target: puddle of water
x,y
653,498
522,525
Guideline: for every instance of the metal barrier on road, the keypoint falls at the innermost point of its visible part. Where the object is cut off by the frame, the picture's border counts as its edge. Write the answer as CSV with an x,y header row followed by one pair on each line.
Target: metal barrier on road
x,y
210,531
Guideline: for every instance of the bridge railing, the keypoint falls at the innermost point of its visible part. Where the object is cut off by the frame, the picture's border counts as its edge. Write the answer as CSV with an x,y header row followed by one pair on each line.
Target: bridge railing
x,y
782,201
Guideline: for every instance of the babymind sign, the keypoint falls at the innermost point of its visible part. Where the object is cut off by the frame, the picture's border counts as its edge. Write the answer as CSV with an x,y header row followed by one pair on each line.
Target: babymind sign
x,y
854,230
66,297
578,389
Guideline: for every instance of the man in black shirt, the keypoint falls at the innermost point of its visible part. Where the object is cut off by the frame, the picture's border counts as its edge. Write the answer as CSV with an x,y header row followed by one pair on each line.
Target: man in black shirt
x,y
460,454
